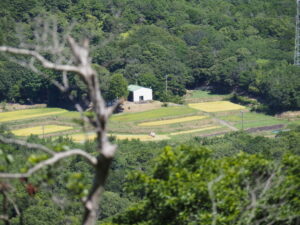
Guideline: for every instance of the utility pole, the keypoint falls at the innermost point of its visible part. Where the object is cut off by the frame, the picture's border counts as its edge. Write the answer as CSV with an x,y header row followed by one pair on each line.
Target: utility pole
x,y
297,36
166,84
242,119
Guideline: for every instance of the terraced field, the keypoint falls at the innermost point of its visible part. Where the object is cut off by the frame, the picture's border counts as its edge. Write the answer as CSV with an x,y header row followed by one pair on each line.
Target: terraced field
x,y
217,106
171,121
154,114
195,130
251,120
207,117
29,114
39,130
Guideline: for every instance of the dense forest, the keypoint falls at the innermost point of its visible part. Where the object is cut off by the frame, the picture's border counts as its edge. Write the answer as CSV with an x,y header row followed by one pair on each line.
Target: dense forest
x,y
245,47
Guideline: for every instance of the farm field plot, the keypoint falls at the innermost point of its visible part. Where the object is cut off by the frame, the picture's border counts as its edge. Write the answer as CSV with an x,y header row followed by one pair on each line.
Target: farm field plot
x,y
251,119
195,130
193,96
154,114
29,113
38,130
216,106
171,121
80,137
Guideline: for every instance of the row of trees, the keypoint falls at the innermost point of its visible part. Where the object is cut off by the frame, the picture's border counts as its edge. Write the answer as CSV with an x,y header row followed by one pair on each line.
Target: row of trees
x,y
241,46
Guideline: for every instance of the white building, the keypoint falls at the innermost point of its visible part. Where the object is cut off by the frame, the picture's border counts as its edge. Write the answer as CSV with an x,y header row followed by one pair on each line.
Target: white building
x,y
139,94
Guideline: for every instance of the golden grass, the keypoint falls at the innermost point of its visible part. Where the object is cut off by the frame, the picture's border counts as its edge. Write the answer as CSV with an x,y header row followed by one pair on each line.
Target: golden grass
x,y
217,106
82,137
38,130
195,130
171,121
28,114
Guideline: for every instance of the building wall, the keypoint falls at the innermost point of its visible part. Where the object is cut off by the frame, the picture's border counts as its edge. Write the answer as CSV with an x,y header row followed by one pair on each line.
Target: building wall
x,y
145,92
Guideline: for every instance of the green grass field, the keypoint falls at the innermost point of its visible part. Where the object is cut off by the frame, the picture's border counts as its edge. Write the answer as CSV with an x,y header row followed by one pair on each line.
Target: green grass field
x,y
203,96
252,119
163,112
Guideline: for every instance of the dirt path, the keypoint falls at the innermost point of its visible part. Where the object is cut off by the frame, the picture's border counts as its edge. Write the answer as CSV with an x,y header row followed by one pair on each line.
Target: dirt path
x,y
224,123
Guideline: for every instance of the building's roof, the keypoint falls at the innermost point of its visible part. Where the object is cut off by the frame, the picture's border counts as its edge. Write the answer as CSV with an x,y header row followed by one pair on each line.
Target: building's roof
x,y
133,87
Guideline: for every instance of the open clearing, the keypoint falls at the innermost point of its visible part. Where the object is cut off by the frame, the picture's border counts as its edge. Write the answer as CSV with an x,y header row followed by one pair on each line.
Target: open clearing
x,y
217,106
38,130
29,113
171,121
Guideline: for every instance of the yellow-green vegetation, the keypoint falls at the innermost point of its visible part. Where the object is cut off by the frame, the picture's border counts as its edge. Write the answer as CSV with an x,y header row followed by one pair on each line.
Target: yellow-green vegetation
x,y
29,113
196,130
81,137
154,114
171,121
38,130
140,137
216,106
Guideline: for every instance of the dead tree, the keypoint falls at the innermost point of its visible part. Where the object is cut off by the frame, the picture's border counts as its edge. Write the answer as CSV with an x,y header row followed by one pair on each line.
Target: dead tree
x,y
68,56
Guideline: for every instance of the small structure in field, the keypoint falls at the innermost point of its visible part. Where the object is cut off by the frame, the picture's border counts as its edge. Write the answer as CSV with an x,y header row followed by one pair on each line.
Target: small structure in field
x,y
139,94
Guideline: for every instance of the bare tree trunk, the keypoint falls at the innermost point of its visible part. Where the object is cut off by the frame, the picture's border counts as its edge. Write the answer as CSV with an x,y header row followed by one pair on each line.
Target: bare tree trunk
x,y
78,63
92,203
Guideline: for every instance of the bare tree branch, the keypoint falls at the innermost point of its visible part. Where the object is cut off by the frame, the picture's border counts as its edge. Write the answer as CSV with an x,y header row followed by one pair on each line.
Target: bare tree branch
x,y
46,63
4,217
77,61
212,198
26,144
13,203
55,158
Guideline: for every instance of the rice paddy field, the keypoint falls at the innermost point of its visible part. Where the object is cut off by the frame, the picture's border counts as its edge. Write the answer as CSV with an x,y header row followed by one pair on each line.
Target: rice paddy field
x,y
216,106
29,114
205,117
40,130
171,121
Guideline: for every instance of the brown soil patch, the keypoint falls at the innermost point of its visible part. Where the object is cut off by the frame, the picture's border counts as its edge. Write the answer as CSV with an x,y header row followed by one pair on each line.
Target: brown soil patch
x,y
140,107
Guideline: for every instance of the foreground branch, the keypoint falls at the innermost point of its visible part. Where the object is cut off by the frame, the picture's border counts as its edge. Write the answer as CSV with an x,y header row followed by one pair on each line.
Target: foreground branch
x,y
46,63
26,144
80,63
57,157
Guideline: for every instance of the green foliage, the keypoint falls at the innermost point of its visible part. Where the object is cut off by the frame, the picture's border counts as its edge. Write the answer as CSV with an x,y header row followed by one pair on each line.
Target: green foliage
x,y
220,44
189,186
117,87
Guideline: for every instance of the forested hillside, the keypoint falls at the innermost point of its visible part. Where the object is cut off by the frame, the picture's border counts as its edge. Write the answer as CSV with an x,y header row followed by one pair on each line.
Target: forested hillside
x,y
242,46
